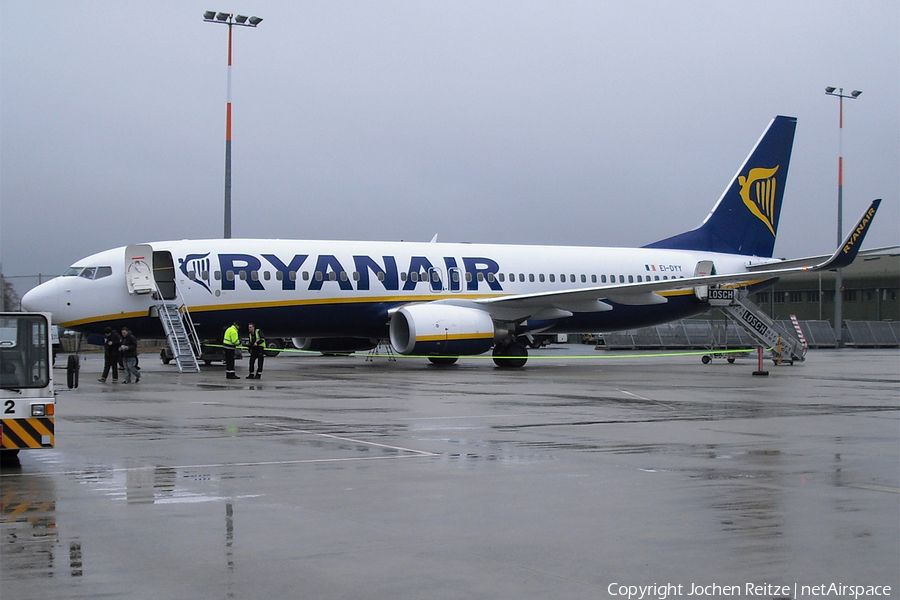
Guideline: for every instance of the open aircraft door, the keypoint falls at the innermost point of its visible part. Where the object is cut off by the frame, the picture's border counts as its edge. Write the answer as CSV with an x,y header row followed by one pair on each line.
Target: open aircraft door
x,y
138,269
164,274
703,269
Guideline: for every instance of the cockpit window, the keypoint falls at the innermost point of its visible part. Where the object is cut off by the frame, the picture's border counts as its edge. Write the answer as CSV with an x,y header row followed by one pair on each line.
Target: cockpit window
x,y
88,272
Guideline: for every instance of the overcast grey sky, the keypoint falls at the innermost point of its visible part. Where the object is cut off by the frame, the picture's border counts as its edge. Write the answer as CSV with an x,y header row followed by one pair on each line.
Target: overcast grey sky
x,y
588,123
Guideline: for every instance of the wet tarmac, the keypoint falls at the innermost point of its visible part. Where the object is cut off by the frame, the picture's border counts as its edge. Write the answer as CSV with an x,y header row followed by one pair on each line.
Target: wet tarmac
x,y
336,477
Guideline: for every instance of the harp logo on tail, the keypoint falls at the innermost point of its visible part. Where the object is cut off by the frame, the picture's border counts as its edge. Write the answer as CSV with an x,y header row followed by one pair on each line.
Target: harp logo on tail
x,y
758,190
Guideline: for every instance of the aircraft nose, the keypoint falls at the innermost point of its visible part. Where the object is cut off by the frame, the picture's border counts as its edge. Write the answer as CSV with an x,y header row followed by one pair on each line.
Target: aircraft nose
x,y
43,298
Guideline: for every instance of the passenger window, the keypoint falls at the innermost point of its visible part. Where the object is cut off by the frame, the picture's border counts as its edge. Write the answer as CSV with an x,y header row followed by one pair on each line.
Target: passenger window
x,y
621,279
656,278
229,275
103,272
521,277
355,275
218,275
380,275
332,276
639,279
469,277
480,276
531,277
403,276
292,275
254,275
583,278
279,275
414,276
593,279
490,277
552,278
502,277
319,276
603,279
631,279
343,275
305,275
541,277
267,275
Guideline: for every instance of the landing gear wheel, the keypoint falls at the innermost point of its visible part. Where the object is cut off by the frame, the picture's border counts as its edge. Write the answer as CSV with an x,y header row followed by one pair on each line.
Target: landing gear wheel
x,y
511,356
273,348
443,361
706,359
730,360
73,366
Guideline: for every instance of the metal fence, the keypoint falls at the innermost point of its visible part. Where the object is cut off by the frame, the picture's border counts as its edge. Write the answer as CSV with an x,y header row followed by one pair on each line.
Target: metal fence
x,y
723,335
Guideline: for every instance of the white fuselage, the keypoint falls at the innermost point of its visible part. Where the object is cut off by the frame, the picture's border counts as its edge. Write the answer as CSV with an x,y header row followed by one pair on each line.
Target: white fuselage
x,y
348,288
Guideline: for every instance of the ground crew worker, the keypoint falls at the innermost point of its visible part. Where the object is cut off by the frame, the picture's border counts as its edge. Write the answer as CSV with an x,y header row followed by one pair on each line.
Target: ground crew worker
x,y
231,341
257,344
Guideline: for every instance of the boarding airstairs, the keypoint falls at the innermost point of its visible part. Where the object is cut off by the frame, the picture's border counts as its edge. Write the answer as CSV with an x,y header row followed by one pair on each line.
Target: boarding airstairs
x,y
785,346
180,333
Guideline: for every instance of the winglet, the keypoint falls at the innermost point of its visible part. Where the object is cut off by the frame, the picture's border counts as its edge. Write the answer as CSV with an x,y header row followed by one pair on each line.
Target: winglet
x,y
847,252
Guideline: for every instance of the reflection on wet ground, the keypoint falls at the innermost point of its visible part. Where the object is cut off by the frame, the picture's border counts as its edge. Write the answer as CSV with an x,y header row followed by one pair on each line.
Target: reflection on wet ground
x,y
32,544
349,481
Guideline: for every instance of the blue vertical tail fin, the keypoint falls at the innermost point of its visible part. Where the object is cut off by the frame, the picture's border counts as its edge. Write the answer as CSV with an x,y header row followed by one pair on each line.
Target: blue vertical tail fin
x,y
745,219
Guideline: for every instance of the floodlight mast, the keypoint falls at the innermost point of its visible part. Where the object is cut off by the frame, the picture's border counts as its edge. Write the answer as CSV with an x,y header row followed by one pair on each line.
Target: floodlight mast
x,y
224,18
838,278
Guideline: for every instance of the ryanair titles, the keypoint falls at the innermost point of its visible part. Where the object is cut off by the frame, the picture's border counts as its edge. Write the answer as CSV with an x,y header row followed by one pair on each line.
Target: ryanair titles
x,y
366,272
860,229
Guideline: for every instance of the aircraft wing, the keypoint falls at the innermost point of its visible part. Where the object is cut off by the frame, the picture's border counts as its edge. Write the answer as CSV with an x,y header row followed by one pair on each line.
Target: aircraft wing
x,y
562,303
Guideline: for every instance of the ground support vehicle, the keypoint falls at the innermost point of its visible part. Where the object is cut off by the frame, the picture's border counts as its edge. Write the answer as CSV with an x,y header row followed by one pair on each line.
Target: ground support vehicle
x,y
26,383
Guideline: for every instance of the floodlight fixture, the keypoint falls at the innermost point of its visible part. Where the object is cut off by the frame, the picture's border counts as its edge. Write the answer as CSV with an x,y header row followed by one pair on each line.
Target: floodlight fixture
x,y
829,89
855,93
254,21
223,16
209,15
240,19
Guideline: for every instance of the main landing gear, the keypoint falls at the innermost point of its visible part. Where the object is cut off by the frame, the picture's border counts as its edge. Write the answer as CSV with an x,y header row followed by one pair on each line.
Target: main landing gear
x,y
512,355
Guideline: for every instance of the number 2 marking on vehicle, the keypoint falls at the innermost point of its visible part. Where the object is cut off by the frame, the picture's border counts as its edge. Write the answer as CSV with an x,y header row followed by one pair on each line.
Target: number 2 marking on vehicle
x,y
10,407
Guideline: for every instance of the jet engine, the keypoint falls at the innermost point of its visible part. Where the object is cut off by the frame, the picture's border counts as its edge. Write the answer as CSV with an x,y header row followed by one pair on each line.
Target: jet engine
x,y
441,329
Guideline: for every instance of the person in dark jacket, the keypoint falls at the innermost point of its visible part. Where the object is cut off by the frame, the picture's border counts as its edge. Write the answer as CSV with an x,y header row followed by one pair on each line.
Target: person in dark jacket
x,y
257,345
112,341
129,355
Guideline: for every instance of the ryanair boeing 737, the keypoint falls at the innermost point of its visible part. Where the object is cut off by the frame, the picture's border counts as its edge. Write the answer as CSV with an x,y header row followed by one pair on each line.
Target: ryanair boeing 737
x,y
444,300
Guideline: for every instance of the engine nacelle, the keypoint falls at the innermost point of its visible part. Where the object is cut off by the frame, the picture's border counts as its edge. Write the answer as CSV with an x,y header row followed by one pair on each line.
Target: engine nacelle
x,y
343,345
441,329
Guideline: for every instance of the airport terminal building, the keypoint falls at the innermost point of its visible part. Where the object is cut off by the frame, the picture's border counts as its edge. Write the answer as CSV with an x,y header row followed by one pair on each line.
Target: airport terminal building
x,y
871,292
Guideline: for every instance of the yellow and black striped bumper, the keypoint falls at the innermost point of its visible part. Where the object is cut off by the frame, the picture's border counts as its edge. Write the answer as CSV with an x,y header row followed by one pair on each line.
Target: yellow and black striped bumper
x,y
28,433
